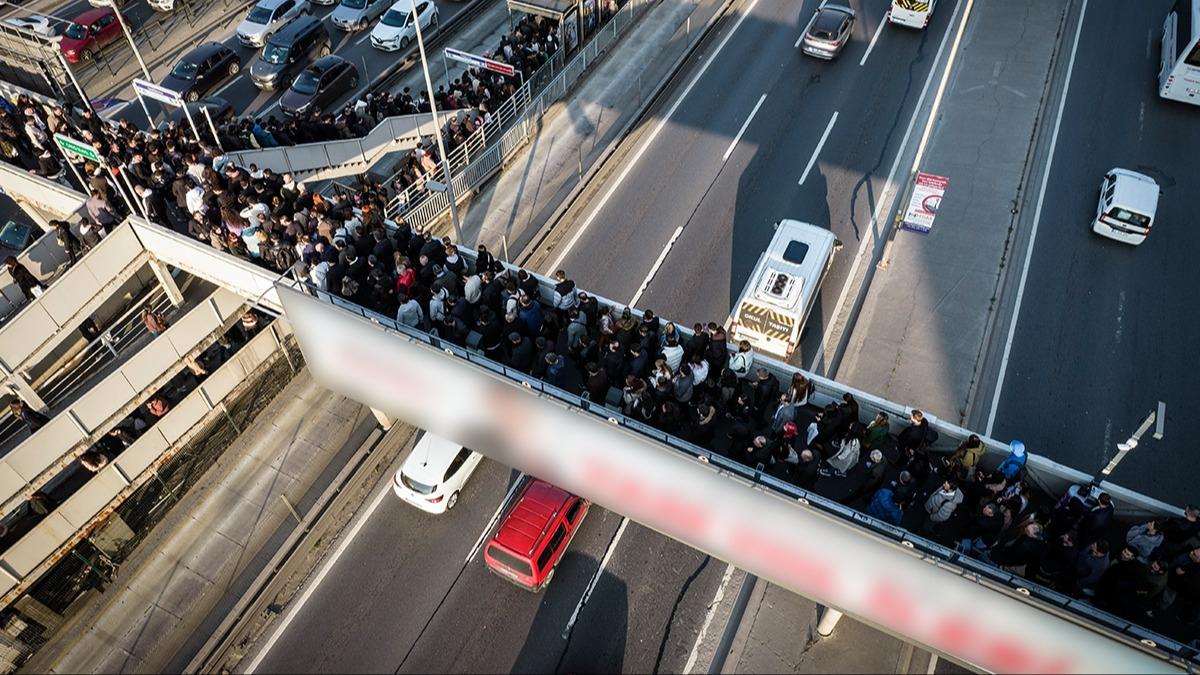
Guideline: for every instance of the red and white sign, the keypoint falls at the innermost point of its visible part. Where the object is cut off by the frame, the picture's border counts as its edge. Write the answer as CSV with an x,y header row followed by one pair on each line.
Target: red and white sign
x,y
923,205
481,62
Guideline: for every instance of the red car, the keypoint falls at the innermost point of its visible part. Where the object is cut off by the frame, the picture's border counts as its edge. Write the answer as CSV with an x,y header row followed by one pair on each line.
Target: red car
x,y
90,32
534,534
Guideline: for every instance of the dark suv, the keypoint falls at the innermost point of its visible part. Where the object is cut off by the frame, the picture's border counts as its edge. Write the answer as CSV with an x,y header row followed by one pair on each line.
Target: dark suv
x,y
288,51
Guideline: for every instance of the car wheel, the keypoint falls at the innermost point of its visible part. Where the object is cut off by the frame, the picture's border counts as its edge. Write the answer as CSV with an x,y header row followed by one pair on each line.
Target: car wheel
x,y
234,67
325,51
89,55
452,500
433,20
305,12
193,96
354,81
404,42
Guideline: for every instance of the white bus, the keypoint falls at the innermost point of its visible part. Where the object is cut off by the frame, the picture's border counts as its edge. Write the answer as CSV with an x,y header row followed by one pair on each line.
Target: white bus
x,y
911,13
781,291
1179,68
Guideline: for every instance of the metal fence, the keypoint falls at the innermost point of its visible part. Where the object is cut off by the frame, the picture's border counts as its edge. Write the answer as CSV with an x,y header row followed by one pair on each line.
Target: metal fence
x,y
513,124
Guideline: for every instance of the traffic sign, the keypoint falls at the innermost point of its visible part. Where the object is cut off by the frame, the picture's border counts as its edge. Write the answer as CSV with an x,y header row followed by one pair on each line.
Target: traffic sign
x,y
154,91
75,147
481,62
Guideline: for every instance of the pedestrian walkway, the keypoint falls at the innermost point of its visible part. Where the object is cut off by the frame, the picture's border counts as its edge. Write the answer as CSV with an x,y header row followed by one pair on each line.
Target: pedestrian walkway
x,y
920,337
510,210
208,548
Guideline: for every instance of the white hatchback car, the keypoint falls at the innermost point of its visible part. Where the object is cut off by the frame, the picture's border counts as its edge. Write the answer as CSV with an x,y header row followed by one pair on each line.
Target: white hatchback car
x,y
268,16
434,473
395,31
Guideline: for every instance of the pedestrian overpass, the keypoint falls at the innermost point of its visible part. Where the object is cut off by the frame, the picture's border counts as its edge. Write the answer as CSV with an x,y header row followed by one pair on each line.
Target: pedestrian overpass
x,y
904,584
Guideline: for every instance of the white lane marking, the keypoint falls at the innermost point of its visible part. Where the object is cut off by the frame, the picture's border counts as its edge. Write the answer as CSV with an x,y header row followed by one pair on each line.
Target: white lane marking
x,y
874,39
298,604
657,264
228,84
884,198
708,617
587,593
1037,219
366,36
650,140
1120,316
741,131
820,144
492,521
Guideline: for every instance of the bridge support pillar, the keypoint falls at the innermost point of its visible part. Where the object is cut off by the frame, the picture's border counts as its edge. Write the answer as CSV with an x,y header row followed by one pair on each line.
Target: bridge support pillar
x,y
829,619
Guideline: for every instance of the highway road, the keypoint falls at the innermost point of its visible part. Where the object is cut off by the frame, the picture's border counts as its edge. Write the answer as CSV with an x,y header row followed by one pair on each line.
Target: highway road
x,y
410,593
406,595
1106,330
161,52
766,133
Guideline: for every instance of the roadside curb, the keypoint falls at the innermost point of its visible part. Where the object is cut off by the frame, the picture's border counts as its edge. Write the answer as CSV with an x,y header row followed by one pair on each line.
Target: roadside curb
x,y
623,134
737,629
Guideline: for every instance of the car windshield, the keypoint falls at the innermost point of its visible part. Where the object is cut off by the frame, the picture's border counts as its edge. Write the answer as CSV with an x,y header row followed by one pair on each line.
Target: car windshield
x,y
274,54
395,18
419,488
13,236
184,71
76,32
259,14
354,4
307,82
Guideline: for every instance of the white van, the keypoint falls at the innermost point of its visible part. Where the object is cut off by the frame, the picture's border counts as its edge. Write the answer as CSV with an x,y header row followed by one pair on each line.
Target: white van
x,y
911,13
434,473
1128,201
783,288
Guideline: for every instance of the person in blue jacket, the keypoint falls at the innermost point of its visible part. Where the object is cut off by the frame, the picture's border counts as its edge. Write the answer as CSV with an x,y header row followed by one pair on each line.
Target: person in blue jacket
x,y
884,507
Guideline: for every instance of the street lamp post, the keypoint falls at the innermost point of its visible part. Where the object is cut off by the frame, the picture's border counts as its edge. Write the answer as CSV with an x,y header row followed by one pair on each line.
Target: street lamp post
x,y
136,52
437,128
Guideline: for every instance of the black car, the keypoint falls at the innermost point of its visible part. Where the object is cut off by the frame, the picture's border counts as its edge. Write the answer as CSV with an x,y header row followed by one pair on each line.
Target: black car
x,y
202,69
15,237
289,50
326,81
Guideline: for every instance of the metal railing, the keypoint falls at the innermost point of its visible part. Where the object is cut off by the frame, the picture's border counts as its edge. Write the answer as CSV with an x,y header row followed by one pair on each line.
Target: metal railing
x,y
93,358
1017,587
513,124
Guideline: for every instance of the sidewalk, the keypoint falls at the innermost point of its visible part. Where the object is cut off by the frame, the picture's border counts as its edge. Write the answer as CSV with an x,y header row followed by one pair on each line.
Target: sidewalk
x,y
211,544
518,203
779,635
925,322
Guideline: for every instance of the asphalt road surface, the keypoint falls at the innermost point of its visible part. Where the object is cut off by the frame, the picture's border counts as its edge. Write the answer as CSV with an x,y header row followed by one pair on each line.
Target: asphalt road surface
x,y
404,596
817,141
1106,330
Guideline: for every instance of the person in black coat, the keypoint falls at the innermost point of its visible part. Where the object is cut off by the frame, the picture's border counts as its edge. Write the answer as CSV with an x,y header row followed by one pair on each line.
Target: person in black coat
x,y
596,382
520,352
1094,524
23,278
67,239
806,473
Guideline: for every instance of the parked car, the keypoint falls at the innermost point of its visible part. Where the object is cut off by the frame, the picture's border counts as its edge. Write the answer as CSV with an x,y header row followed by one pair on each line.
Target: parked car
x,y
395,31
828,31
357,14
328,79
168,5
15,237
289,51
268,16
36,24
90,32
534,534
202,69
434,474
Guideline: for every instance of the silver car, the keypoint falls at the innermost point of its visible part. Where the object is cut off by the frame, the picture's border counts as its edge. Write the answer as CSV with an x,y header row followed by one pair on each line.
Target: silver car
x,y
828,32
357,14
268,16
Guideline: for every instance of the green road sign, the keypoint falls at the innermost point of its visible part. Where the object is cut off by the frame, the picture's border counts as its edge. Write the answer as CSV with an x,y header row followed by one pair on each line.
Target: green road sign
x,y
75,147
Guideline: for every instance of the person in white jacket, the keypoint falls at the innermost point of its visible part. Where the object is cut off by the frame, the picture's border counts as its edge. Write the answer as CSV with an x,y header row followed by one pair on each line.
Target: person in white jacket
x,y
847,454
741,362
673,353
